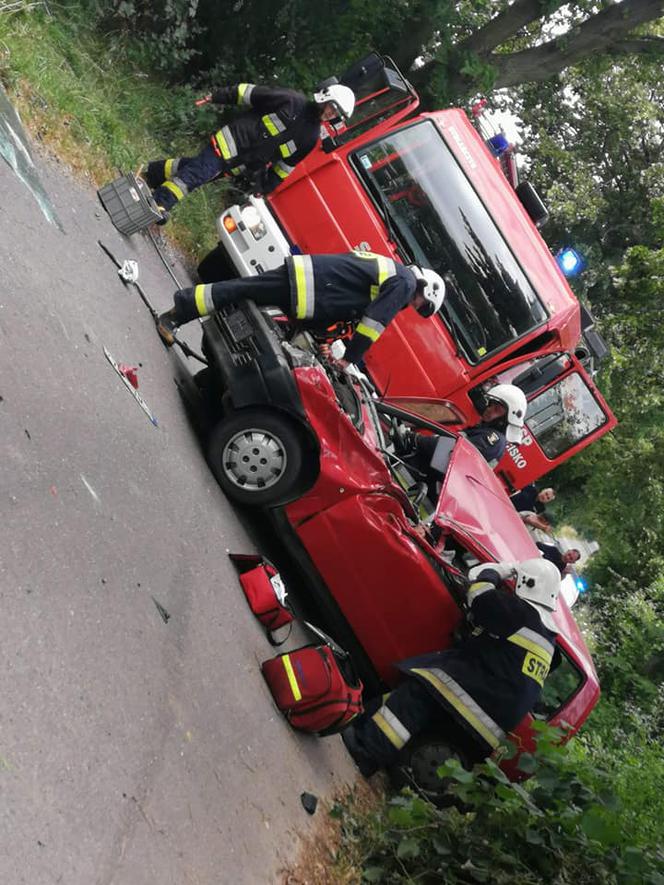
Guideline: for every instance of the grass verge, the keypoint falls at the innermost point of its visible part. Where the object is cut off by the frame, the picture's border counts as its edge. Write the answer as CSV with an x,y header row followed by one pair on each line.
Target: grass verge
x,y
335,853
92,102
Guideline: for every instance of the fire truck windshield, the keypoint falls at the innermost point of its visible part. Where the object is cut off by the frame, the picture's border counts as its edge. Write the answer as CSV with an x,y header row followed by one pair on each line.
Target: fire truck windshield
x,y
441,223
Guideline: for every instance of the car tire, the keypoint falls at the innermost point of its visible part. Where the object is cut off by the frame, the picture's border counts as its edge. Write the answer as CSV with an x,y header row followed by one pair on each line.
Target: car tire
x,y
418,764
216,266
257,457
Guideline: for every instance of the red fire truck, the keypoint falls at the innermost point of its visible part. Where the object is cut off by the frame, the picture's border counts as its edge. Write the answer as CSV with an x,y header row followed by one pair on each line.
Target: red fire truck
x,y
426,189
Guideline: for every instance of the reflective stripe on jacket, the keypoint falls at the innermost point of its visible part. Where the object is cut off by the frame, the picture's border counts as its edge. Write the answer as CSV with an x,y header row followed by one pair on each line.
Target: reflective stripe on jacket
x,y
280,128
353,286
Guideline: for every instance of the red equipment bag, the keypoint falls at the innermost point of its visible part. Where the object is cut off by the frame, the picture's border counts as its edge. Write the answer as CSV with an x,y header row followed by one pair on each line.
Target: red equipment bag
x,y
265,592
315,687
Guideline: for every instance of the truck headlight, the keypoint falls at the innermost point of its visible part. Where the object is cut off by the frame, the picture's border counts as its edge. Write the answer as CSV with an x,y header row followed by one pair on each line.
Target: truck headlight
x,y
253,222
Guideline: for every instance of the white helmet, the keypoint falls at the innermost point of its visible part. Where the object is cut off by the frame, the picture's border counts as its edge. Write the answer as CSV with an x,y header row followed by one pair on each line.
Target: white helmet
x,y
514,400
340,96
434,289
538,583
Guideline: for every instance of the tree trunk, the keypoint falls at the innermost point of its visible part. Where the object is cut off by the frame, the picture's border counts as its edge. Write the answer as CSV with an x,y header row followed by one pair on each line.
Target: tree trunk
x,y
413,43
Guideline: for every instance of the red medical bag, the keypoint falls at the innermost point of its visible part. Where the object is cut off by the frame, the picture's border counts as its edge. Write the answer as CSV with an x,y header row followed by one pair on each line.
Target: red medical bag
x,y
315,687
265,591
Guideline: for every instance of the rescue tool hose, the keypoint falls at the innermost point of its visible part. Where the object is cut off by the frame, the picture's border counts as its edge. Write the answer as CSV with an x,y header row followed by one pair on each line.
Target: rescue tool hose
x,y
184,347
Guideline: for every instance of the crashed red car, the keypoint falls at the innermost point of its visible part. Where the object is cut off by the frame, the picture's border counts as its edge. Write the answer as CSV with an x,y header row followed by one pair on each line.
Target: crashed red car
x,y
376,551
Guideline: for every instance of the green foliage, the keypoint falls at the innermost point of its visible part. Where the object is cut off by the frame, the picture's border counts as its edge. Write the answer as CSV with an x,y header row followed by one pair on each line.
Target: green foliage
x,y
595,143
565,825
626,740
98,105
479,72
599,484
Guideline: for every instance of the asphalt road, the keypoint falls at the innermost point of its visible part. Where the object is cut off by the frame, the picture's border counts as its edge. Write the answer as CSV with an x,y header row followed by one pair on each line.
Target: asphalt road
x,y
134,750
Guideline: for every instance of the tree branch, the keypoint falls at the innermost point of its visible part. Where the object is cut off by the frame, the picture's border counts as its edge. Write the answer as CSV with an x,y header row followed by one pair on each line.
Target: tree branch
x,y
599,33
639,46
505,25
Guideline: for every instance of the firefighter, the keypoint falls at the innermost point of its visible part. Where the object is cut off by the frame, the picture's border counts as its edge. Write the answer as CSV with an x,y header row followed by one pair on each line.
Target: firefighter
x,y
478,691
319,290
264,144
502,421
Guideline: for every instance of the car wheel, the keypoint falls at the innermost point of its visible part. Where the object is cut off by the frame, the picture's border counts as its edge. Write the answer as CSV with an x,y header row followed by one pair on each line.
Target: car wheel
x,y
256,456
216,266
418,768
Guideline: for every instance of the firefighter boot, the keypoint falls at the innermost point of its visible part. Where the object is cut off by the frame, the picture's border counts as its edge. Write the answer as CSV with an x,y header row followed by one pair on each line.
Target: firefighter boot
x,y
154,173
165,215
360,756
167,326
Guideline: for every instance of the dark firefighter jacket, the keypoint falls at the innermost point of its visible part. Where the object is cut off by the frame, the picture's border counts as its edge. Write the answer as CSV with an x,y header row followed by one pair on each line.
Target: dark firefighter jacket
x,y
281,128
489,441
491,680
356,285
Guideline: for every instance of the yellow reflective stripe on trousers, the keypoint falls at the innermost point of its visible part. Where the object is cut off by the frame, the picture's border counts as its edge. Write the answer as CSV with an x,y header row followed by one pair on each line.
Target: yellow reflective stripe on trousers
x,y
533,642
273,124
462,702
203,299
393,729
371,328
174,189
244,91
304,286
168,168
292,681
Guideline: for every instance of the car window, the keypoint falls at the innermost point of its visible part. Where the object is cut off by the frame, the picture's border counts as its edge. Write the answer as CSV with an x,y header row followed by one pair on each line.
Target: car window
x,y
559,687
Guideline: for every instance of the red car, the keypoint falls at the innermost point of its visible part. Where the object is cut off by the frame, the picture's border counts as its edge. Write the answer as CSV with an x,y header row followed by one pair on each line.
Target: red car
x,y
378,554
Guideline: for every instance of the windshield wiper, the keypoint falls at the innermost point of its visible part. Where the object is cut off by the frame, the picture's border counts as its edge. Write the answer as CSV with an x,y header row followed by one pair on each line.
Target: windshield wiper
x,y
391,224
455,327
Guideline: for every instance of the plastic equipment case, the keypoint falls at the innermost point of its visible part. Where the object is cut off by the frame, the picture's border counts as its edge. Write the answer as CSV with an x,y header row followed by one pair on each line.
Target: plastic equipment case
x,y
129,204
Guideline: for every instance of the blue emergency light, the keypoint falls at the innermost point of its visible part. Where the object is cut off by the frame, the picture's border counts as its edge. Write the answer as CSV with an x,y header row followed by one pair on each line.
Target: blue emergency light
x,y
498,144
581,585
569,261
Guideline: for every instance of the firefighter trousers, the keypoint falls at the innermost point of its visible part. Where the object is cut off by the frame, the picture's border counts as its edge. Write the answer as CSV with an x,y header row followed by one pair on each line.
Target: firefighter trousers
x,y
380,734
385,728
269,289
188,173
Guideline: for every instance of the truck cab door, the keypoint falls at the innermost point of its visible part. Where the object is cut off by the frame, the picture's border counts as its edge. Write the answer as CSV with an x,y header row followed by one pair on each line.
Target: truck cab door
x,y
565,414
381,91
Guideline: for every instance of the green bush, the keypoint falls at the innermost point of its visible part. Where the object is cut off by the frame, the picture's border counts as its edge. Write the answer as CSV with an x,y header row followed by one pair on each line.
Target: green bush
x,y
564,825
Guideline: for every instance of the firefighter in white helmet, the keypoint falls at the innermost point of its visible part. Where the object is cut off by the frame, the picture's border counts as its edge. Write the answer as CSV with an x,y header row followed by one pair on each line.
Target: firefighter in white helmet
x,y
502,421
478,691
318,290
264,144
